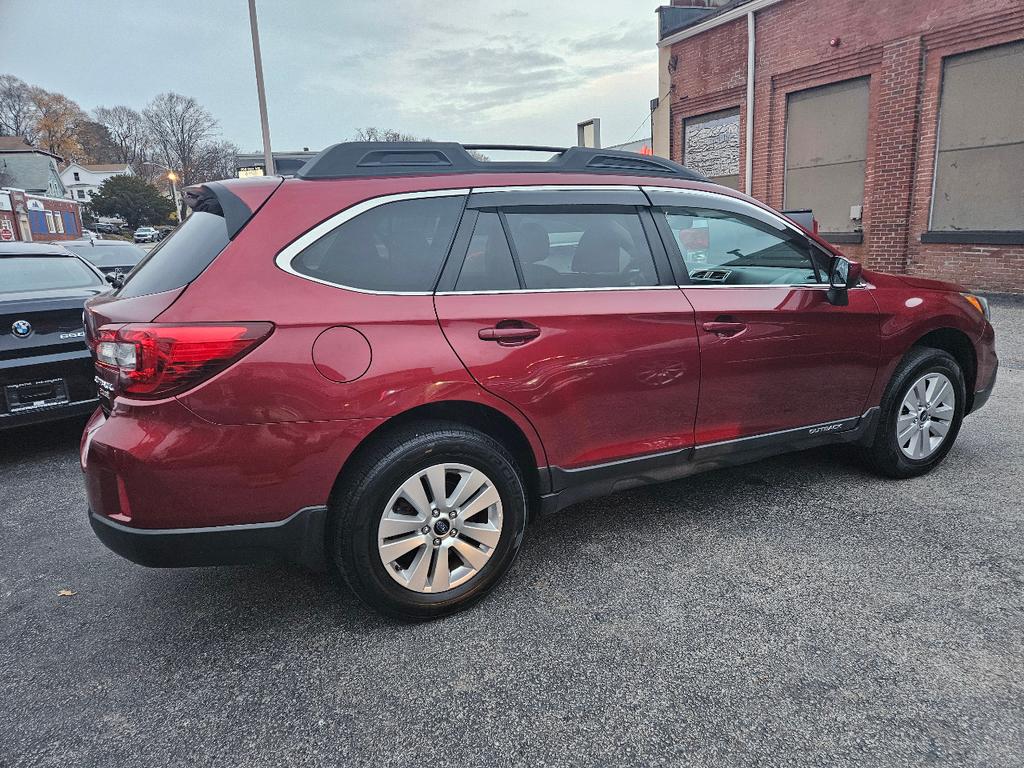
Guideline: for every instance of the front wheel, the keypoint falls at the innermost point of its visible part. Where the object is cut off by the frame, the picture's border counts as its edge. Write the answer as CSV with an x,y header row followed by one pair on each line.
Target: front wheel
x,y
921,414
428,520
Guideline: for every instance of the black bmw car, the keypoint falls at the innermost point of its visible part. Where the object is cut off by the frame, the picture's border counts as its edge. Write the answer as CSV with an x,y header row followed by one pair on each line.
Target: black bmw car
x,y
111,257
46,371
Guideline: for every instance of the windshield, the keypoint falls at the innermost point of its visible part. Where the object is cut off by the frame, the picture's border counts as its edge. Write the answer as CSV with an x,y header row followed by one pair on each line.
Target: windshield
x,y
180,257
21,274
126,255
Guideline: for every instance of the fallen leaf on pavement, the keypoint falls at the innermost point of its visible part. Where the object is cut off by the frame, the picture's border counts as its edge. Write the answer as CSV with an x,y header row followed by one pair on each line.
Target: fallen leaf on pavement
x,y
66,593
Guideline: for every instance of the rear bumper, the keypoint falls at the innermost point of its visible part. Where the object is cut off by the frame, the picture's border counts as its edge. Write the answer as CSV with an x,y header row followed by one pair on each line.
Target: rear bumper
x,y
74,367
166,488
75,410
298,539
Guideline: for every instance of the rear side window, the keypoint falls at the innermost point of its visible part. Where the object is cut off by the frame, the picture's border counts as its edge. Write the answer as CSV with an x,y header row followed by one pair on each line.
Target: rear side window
x,y
488,265
581,250
44,273
397,246
180,258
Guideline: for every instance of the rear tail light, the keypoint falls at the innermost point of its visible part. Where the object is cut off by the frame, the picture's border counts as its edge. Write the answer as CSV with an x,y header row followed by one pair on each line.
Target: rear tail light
x,y
152,360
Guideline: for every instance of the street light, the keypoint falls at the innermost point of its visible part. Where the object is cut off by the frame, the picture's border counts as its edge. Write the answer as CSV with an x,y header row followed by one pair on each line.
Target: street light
x,y
268,157
173,177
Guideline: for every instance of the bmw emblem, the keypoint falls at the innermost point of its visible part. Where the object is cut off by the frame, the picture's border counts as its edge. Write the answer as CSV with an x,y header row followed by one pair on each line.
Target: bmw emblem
x,y
21,328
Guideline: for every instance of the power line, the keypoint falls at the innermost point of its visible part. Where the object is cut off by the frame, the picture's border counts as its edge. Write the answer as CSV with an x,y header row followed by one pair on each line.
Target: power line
x,y
645,121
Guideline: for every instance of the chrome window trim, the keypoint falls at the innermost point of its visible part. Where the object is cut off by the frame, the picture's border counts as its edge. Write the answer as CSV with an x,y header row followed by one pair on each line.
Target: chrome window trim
x,y
559,188
284,258
518,291
754,209
286,255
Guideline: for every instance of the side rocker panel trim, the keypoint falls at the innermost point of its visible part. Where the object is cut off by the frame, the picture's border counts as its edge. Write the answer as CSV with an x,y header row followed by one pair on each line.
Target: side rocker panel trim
x,y
577,484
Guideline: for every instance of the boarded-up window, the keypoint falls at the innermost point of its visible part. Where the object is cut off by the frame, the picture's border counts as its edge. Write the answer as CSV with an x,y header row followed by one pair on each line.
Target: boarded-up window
x,y
711,146
980,161
826,145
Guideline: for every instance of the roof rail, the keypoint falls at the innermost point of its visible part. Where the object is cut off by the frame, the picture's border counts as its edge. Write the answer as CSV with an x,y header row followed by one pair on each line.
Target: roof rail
x,y
358,159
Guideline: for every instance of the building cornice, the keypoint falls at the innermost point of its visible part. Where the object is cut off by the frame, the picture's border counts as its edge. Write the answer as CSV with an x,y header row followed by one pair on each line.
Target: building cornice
x,y
723,18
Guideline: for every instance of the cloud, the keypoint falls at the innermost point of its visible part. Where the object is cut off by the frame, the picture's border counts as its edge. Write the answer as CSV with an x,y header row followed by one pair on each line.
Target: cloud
x,y
632,37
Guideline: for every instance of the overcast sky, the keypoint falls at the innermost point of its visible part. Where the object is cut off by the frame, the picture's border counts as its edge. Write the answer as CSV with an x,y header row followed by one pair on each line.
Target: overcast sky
x,y
464,70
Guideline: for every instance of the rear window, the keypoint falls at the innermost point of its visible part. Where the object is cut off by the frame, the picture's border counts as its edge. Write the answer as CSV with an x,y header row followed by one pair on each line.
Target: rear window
x,y
108,255
397,246
44,273
180,258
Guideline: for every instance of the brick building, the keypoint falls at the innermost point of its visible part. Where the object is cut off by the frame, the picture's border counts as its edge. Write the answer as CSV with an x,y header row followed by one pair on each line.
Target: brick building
x,y
27,217
901,125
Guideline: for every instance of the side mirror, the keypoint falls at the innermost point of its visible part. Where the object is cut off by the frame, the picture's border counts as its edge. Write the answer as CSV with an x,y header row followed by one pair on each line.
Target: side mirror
x,y
116,279
843,275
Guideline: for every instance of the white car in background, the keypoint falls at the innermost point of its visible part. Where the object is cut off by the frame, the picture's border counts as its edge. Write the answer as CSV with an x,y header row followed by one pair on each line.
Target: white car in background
x,y
146,235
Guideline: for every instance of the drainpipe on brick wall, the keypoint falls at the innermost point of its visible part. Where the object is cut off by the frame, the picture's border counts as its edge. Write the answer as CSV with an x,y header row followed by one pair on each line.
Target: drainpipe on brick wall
x,y
748,173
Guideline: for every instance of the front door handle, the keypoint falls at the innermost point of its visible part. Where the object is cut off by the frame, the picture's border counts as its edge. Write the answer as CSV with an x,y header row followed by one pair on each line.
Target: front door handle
x,y
510,332
725,329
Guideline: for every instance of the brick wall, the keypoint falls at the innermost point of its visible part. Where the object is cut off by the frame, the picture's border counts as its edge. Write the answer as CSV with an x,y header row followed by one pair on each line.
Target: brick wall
x,y
900,47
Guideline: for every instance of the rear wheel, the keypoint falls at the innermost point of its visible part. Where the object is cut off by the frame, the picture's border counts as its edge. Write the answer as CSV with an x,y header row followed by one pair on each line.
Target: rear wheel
x,y
921,414
429,520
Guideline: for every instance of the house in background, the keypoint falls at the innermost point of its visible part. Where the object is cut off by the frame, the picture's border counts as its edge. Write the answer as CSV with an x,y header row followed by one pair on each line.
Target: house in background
x,y
29,168
83,181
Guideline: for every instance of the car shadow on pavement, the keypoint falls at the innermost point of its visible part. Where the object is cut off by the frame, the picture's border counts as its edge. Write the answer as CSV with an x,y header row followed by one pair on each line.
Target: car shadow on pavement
x,y
228,602
33,442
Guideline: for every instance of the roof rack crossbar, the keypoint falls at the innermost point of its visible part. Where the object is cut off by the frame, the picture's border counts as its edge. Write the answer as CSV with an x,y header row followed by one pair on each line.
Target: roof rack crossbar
x,y
364,159
514,147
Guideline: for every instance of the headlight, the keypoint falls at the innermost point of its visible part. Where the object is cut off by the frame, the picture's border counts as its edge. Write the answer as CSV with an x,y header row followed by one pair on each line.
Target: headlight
x,y
979,303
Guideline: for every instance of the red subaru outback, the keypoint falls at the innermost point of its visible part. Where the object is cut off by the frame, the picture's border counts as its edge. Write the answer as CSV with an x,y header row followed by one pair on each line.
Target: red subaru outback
x,y
388,362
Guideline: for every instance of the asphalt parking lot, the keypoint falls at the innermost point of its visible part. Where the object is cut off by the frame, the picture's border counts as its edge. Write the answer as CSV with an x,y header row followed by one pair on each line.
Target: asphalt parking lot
x,y
798,611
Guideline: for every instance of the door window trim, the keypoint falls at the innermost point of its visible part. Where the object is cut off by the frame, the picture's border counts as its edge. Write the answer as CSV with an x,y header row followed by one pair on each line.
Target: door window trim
x,y
636,205
287,255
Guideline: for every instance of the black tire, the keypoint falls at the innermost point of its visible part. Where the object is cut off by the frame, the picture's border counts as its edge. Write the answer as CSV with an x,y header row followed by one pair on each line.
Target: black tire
x,y
884,455
360,500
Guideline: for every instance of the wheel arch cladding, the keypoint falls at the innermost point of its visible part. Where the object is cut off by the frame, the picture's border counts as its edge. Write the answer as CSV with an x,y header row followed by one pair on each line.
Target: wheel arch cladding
x,y
482,418
958,344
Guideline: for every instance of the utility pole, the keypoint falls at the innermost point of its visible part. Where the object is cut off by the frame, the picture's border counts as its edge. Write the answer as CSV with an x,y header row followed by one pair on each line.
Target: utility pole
x,y
268,157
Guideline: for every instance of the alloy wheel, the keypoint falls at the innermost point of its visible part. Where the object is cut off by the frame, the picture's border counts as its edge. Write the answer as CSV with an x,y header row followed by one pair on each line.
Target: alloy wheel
x,y
926,416
440,528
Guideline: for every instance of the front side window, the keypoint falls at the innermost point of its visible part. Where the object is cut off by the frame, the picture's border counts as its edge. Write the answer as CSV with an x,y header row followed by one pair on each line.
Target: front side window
x,y
980,159
395,247
722,248
581,250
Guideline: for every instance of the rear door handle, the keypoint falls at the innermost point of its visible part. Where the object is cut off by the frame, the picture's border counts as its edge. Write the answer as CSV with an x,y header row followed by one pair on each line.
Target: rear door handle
x,y
510,334
725,329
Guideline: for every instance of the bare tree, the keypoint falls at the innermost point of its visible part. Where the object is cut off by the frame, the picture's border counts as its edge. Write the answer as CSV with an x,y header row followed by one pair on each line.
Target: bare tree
x,y
97,144
390,134
57,123
373,133
128,134
179,127
218,160
18,112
